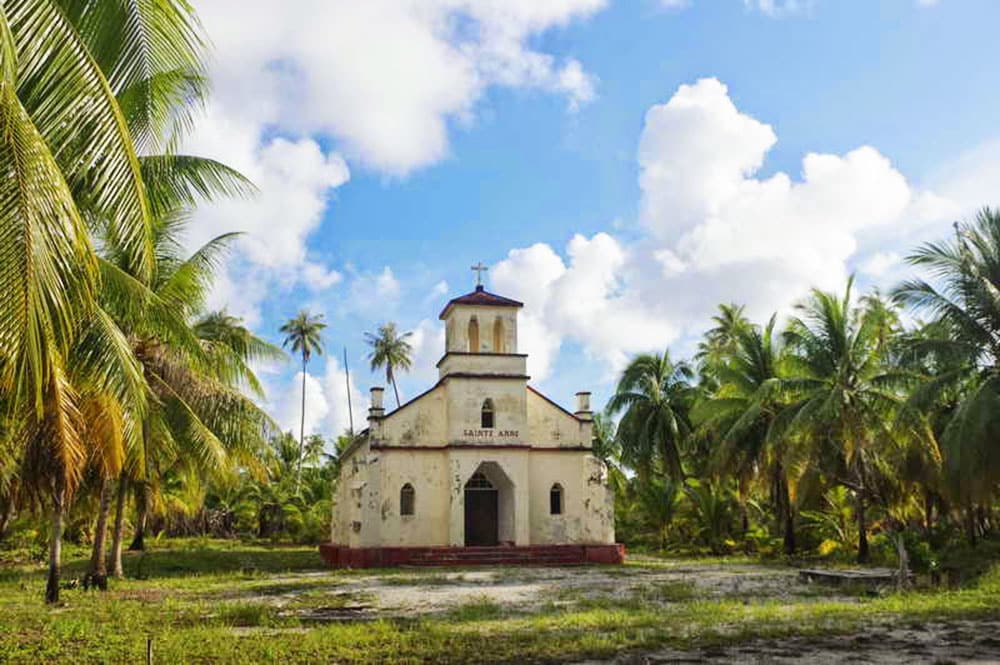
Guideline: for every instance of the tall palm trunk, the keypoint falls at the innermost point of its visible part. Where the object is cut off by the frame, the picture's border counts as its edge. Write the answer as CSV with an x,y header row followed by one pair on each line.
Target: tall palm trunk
x,y
119,530
970,526
138,543
6,514
785,513
789,540
98,574
55,542
391,378
863,552
928,513
302,428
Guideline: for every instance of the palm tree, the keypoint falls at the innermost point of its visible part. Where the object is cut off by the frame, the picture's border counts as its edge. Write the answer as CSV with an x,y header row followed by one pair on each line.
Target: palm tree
x,y
743,412
85,87
964,349
391,350
303,334
842,404
655,396
197,370
69,153
721,338
659,499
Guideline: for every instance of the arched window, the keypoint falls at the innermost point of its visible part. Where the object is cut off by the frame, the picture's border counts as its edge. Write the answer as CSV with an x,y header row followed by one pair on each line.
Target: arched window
x,y
498,335
556,500
473,335
486,418
479,481
407,500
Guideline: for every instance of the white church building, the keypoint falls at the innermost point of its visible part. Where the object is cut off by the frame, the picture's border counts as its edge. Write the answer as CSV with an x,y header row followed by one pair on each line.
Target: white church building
x,y
480,468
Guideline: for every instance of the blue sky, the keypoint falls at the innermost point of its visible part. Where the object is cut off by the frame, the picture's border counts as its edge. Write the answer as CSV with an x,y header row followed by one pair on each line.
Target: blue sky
x,y
622,166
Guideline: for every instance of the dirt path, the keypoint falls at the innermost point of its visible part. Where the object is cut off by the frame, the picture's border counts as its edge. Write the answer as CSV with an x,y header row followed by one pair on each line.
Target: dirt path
x,y
963,642
423,592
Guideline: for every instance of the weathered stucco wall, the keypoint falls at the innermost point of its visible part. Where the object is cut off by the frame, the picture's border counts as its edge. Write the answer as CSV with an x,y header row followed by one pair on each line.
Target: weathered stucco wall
x,y
465,398
588,511
550,426
427,472
368,497
350,497
418,423
478,363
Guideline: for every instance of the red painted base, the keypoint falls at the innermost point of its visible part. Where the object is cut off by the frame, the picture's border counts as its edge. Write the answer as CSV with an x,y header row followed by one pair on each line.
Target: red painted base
x,y
338,556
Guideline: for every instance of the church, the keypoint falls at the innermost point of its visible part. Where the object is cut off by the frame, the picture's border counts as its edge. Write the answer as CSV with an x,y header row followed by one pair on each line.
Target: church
x,y
481,468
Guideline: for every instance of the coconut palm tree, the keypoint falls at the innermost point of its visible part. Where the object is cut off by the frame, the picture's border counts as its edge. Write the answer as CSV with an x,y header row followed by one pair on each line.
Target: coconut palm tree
x,y
720,339
71,173
743,412
961,296
303,334
842,402
391,350
85,87
655,397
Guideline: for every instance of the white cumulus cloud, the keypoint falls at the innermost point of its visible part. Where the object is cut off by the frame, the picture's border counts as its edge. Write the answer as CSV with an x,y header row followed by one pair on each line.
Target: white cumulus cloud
x,y
715,232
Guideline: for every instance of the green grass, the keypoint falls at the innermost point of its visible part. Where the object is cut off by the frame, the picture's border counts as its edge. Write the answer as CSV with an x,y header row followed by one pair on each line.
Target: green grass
x,y
208,601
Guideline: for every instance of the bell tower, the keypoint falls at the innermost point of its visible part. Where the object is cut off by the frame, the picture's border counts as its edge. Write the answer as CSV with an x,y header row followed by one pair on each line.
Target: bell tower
x,y
485,378
480,330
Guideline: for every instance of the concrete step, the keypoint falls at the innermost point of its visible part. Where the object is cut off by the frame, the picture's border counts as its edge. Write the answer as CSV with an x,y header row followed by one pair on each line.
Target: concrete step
x,y
498,561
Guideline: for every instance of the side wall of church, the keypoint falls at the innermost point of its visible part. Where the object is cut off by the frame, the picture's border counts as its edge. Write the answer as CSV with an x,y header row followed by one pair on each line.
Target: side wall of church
x,y
587,503
350,498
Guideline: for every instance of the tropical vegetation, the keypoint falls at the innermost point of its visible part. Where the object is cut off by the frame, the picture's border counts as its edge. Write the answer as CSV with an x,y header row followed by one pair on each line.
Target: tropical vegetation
x,y
838,431
859,426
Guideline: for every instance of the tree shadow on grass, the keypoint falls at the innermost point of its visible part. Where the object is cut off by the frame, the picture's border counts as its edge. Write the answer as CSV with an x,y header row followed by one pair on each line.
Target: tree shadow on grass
x,y
210,559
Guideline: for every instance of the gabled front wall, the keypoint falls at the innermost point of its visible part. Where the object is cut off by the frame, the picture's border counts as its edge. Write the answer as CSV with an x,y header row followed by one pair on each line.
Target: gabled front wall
x,y
545,446
420,422
465,398
551,426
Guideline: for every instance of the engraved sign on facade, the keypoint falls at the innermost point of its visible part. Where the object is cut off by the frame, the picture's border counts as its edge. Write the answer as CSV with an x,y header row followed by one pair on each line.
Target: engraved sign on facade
x,y
490,433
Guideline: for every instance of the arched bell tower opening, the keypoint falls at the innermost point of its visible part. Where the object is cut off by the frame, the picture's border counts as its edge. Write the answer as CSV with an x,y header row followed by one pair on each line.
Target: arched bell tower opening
x,y
474,335
498,341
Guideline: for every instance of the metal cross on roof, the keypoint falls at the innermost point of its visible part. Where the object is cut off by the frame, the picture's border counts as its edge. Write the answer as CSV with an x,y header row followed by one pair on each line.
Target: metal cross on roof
x,y
480,269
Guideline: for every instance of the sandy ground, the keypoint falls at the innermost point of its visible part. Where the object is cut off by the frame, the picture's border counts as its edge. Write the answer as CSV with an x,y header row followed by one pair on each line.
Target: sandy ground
x,y
423,592
965,642
409,593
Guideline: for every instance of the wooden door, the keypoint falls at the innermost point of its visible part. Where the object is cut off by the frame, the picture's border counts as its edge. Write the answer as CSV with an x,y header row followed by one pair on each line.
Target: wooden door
x,y
481,517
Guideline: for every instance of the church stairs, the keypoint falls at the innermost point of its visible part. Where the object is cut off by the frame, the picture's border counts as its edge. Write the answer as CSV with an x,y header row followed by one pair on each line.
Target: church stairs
x,y
501,555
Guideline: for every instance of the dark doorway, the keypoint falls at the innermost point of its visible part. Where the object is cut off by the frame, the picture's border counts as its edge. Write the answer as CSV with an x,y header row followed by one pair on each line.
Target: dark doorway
x,y
481,512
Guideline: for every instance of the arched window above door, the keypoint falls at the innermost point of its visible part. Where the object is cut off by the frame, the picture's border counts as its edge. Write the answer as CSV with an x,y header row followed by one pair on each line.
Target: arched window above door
x,y
486,419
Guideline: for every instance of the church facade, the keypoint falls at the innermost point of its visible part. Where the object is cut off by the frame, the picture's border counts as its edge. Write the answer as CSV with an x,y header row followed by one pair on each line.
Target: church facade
x,y
481,465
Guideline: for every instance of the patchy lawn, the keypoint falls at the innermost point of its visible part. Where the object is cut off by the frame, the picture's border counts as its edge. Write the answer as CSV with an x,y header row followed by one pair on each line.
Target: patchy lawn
x,y
214,601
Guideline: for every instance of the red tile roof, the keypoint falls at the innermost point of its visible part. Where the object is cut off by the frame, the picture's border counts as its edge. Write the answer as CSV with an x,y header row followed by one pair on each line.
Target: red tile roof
x,y
480,297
